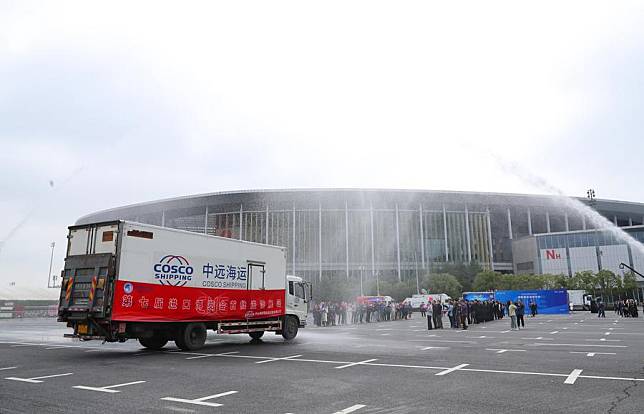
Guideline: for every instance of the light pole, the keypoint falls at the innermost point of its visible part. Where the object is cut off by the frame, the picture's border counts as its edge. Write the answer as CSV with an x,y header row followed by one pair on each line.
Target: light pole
x,y
51,262
590,194
361,271
378,283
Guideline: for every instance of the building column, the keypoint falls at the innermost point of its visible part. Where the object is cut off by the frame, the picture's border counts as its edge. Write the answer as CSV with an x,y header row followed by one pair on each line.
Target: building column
x,y
566,223
205,222
241,221
266,222
547,222
509,224
422,235
489,238
529,223
630,221
398,242
583,222
467,234
163,218
615,219
373,251
293,252
346,234
320,239
445,231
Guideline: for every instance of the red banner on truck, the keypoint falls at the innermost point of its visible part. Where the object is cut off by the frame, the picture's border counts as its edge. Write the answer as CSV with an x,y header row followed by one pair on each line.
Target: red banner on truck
x,y
136,301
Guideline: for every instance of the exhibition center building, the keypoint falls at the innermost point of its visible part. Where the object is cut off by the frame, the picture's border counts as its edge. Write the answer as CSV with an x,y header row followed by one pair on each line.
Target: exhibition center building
x,y
387,233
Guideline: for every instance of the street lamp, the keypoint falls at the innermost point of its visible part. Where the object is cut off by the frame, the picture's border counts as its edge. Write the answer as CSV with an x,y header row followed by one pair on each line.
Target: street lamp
x,y
51,261
361,271
378,283
590,194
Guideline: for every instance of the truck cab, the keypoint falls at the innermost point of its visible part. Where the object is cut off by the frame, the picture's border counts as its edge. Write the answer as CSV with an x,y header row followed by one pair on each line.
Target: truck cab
x,y
298,298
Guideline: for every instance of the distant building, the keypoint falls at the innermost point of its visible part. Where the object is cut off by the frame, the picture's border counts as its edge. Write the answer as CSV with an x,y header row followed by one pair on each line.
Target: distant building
x,y
392,233
576,251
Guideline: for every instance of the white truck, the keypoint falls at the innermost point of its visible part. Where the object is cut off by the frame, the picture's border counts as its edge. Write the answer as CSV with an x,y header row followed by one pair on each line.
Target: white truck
x,y
124,280
417,300
579,300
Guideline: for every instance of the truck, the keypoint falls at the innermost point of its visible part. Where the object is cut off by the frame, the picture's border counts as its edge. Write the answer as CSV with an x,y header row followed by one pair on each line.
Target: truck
x,y
126,280
579,300
419,299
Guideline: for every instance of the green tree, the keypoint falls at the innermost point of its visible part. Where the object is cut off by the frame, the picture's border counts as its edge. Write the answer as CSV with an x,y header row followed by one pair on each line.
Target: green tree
x,y
443,283
629,283
465,273
335,289
584,281
606,281
488,280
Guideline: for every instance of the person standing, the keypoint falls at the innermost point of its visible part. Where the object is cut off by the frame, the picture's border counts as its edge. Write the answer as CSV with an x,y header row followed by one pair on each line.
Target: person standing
x,y
463,313
437,315
520,313
602,310
512,313
429,310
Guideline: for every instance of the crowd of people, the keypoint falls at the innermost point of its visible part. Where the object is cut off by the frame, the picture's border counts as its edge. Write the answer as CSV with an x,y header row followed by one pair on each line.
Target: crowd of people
x,y
626,308
339,313
459,312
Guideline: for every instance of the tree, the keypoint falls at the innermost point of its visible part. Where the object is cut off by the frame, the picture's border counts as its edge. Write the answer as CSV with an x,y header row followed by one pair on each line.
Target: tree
x,y
335,289
488,280
465,273
629,283
606,281
584,281
443,283
397,290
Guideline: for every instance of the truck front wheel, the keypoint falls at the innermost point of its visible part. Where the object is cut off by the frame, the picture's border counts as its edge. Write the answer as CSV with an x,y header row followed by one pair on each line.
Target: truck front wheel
x,y
256,335
289,328
154,342
191,337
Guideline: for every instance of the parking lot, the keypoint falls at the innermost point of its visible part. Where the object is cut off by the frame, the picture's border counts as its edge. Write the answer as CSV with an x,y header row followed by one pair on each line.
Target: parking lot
x,y
575,363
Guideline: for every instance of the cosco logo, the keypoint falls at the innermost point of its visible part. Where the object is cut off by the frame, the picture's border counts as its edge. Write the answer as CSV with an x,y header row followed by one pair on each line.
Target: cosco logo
x,y
173,270
166,268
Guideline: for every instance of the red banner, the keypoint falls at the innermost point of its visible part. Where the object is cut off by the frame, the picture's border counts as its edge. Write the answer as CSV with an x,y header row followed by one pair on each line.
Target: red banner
x,y
147,302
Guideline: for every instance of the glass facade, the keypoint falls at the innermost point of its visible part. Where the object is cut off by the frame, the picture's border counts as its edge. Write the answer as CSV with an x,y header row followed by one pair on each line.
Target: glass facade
x,y
389,233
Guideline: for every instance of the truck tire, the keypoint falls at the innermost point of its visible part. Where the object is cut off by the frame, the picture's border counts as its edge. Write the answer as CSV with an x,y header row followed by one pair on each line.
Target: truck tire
x,y
155,342
256,335
289,329
191,337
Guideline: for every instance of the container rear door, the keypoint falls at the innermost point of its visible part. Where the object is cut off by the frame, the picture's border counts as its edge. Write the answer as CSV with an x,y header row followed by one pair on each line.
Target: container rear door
x,y
89,272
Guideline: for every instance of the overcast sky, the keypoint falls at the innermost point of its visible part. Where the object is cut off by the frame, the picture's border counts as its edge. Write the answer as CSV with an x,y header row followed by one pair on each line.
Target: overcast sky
x,y
121,103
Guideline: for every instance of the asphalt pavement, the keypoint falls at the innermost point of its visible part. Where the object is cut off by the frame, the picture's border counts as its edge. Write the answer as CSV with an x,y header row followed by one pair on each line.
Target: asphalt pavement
x,y
570,363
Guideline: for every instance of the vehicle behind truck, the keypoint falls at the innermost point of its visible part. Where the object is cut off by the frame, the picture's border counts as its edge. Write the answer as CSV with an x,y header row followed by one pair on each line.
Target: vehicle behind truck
x,y
124,280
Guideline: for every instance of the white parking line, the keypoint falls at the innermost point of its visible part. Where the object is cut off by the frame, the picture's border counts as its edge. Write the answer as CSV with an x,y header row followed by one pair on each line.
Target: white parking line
x,y
6,368
36,380
108,388
350,409
573,376
201,401
356,363
447,371
278,359
443,340
501,351
213,355
592,354
601,346
433,347
554,332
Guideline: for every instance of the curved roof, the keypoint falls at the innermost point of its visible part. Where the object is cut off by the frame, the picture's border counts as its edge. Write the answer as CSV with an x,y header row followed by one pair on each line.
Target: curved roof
x,y
362,196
